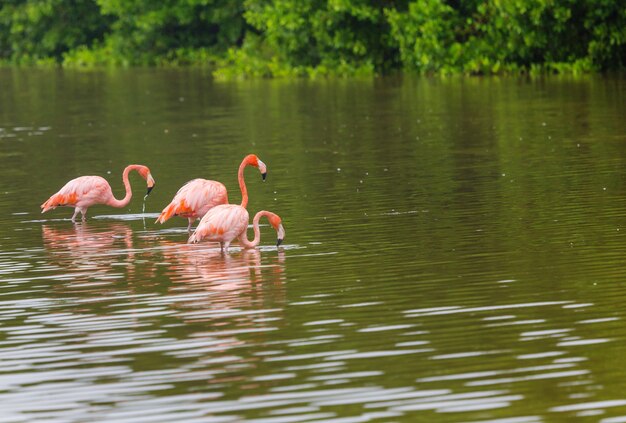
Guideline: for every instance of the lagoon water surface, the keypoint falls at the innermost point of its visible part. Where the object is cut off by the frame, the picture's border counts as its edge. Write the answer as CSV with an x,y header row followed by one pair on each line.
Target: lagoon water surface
x,y
454,250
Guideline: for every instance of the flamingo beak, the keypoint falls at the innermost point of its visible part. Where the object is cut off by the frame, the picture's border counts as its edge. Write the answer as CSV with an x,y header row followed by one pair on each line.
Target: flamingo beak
x,y
263,170
151,184
280,235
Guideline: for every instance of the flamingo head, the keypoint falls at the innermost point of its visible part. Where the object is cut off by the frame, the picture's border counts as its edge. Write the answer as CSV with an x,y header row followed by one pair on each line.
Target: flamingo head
x,y
253,160
277,224
145,174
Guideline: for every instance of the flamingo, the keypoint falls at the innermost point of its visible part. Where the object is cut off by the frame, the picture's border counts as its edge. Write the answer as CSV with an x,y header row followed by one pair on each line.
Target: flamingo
x,y
226,222
198,196
85,191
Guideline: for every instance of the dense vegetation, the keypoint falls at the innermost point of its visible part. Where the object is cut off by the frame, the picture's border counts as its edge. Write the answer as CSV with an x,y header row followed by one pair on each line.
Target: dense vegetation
x,y
318,37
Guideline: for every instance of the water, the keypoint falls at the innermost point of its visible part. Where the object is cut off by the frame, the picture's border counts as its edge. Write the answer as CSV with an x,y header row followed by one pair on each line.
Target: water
x,y
454,251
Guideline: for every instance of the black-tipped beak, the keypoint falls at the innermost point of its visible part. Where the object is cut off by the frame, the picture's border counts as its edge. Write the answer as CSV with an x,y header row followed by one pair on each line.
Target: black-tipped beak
x,y
279,241
264,175
149,190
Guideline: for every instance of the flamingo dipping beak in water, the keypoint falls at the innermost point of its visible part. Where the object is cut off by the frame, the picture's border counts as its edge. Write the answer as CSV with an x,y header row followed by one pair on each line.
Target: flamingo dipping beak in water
x,y
151,183
225,222
280,235
86,191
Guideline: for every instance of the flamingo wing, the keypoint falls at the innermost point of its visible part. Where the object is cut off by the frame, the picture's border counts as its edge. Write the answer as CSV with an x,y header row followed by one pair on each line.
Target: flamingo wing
x,y
223,223
194,199
202,195
81,192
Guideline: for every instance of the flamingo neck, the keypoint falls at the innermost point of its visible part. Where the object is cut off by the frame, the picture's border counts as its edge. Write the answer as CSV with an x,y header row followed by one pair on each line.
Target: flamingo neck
x,y
242,184
129,193
243,239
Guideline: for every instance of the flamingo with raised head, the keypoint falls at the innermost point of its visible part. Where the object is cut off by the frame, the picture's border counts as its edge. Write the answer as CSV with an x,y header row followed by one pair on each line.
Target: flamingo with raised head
x,y
194,199
226,222
86,191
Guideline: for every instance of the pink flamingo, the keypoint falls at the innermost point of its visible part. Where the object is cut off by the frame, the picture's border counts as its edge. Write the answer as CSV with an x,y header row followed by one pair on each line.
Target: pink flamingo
x,y
226,222
85,191
194,199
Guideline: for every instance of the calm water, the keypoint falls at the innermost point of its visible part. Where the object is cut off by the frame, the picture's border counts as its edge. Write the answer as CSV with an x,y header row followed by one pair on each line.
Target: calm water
x,y
454,251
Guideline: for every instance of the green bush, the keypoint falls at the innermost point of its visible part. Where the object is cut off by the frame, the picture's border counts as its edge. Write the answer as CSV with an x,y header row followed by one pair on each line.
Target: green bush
x,y
318,38
42,31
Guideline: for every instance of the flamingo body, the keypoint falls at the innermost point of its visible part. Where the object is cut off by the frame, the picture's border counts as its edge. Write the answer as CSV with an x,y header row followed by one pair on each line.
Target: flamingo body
x,y
86,191
221,224
194,199
82,192
226,222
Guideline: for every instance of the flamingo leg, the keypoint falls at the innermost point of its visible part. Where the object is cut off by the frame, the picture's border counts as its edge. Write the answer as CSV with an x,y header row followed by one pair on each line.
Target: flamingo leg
x,y
84,213
225,246
191,220
76,210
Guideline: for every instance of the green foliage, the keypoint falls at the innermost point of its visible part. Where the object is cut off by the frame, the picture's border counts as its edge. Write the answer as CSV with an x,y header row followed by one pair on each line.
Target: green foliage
x,y
311,37
426,35
509,35
153,32
35,31
315,38
255,59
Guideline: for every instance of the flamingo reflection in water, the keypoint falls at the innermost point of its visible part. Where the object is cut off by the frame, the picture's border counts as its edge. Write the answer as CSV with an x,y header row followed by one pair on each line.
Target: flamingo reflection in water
x,y
227,301
224,282
91,252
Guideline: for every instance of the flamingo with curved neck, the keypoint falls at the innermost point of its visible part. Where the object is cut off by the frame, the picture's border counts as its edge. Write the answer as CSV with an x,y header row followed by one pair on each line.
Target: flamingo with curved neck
x,y
194,199
86,191
249,160
114,202
226,222
274,220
